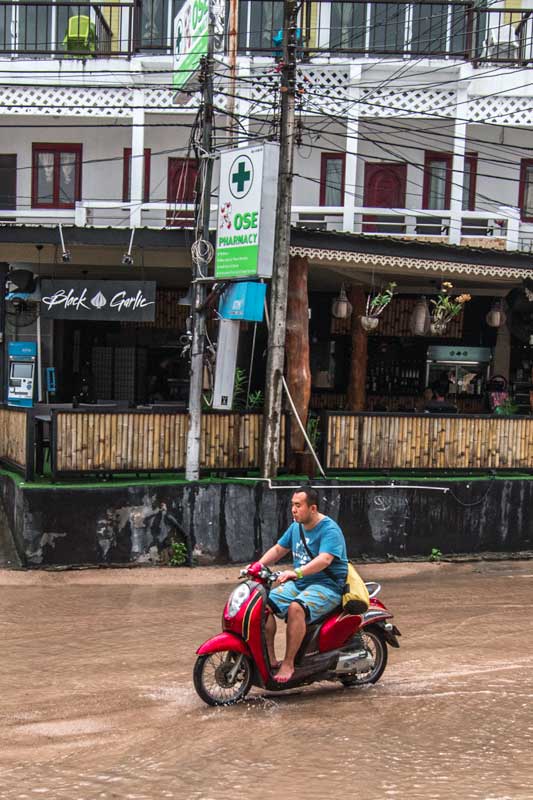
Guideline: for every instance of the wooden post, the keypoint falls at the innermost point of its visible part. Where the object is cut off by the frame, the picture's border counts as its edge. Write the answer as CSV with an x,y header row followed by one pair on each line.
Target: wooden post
x,y
356,400
297,347
278,297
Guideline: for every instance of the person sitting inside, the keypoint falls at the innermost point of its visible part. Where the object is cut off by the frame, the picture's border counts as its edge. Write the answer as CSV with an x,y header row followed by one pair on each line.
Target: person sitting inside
x,y
439,404
427,397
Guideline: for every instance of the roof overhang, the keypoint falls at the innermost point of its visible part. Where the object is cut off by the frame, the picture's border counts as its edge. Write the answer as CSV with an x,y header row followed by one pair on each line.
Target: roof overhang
x,y
355,257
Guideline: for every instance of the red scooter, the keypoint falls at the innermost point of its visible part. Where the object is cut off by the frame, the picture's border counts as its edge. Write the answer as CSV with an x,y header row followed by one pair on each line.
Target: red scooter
x,y
350,648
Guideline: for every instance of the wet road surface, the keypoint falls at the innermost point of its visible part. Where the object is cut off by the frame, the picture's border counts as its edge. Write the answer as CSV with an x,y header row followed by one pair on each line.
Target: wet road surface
x,y
96,696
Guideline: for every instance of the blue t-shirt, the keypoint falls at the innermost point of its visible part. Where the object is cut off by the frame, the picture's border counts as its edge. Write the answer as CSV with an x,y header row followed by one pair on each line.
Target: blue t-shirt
x,y
325,537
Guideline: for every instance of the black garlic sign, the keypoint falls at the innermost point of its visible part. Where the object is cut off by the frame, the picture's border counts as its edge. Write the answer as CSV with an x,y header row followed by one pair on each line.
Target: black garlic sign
x,y
130,301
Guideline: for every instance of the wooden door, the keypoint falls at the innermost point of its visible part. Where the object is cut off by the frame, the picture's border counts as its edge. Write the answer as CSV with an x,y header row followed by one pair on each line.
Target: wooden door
x,y
384,188
182,174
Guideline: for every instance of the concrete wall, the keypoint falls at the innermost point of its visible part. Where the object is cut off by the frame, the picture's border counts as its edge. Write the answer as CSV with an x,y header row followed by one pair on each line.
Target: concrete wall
x,y
235,522
499,149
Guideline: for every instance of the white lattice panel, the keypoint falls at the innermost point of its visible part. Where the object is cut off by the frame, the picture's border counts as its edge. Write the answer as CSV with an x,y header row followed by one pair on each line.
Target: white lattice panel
x,y
394,103
501,110
319,89
162,100
72,102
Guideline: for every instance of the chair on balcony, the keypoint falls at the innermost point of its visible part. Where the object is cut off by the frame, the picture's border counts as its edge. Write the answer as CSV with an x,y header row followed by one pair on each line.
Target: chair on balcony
x,y
80,36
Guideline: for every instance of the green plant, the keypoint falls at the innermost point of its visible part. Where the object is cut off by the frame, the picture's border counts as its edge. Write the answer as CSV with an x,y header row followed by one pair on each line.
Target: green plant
x,y
506,408
435,554
375,305
255,399
446,307
178,553
313,430
239,389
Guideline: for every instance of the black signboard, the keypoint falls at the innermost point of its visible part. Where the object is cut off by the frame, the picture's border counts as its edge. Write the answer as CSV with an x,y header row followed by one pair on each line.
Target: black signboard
x,y
105,301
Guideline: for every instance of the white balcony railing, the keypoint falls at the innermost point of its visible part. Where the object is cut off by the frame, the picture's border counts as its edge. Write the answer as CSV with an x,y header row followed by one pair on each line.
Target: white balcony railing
x,y
479,227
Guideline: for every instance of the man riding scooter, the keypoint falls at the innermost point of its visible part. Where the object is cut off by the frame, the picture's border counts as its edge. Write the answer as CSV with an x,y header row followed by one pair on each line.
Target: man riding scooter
x,y
314,586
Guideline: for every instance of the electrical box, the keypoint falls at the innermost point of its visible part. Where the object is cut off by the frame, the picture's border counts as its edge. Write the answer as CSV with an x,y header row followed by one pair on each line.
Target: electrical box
x,y
243,300
21,379
227,346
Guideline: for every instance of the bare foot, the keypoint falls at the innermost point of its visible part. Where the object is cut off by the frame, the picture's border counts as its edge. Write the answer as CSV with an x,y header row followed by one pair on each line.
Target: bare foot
x,y
286,671
274,664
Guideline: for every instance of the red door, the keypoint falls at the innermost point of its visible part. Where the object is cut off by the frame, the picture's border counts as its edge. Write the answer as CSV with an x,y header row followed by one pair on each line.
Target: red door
x,y
182,174
384,188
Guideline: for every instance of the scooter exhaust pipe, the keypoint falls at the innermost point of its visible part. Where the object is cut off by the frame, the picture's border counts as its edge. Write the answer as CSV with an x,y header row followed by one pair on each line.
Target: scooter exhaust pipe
x,y
358,661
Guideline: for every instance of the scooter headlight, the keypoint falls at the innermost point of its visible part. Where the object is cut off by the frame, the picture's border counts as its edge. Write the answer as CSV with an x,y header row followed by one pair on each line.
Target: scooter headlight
x,y
237,598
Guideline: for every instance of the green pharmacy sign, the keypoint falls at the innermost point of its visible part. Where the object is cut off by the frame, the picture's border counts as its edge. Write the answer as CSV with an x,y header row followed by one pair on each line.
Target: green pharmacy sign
x,y
191,40
246,212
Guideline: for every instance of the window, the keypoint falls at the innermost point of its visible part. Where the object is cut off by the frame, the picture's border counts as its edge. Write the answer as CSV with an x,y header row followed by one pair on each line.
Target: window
x,y
525,192
347,26
56,175
266,20
332,179
126,180
438,181
182,174
8,182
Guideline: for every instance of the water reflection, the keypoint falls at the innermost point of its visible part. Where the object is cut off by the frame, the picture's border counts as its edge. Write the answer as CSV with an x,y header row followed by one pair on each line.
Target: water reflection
x,y
97,698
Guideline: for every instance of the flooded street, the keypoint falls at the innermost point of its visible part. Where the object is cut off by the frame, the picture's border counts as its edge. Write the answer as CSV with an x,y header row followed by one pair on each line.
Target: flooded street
x,y
96,695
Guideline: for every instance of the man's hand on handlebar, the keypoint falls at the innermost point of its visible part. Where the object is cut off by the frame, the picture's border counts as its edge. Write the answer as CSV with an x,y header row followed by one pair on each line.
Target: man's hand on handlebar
x,y
287,575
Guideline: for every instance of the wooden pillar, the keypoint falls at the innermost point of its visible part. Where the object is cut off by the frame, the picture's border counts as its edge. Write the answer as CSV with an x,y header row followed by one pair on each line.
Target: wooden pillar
x,y
356,400
297,346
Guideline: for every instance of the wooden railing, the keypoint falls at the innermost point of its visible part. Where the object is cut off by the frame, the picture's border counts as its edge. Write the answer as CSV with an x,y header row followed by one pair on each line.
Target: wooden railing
x,y
427,441
14,438
152,441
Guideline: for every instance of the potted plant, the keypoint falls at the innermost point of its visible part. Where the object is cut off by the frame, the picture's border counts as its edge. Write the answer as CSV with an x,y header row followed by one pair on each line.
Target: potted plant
x,y
375,305
446,307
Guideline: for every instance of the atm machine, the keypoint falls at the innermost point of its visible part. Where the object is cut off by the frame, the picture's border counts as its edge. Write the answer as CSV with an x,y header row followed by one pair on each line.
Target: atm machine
x,y
22,381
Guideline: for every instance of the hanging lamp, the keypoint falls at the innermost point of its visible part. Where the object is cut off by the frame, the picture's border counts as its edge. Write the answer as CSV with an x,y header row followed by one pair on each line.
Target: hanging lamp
x,y
496,317
420,318
342,308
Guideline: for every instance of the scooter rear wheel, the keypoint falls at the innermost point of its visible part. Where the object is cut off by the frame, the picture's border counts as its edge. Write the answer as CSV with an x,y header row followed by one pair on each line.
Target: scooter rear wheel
x,y
375,643
224,678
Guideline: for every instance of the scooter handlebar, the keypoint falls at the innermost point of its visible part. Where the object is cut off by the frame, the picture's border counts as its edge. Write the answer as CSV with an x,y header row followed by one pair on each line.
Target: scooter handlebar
x,y
261,571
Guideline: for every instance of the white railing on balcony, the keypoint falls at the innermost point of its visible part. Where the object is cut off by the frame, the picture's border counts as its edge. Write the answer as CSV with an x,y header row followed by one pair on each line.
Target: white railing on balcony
x,y
502,229
423,224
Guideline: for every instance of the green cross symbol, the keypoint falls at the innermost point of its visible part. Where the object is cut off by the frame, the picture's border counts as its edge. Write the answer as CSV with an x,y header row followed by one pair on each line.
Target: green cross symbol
x,y
241,177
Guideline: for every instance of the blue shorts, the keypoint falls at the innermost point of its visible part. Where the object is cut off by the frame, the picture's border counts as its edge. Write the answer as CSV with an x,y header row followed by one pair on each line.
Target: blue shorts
x,y
316,600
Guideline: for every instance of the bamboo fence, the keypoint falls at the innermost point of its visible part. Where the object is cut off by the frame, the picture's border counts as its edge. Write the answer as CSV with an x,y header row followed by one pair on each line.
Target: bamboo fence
x,y
427,441
14,436
155,441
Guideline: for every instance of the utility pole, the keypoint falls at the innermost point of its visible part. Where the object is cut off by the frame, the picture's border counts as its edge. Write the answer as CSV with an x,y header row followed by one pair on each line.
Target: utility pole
x,y
192,464
233,33
280,276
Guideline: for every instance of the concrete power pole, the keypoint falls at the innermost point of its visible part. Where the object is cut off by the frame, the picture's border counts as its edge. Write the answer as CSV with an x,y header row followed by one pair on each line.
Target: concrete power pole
x,y
192,464
278,300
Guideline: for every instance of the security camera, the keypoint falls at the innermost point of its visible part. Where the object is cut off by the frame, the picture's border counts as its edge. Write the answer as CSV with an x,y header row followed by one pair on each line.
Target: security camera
x,y
127,258
66,257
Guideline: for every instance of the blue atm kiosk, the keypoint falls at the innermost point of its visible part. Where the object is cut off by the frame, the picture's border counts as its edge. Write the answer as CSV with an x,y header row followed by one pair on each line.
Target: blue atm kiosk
x,y
22,372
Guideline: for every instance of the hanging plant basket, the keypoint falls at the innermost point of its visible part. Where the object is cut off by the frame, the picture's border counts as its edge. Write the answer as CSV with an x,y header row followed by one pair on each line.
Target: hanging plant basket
x,y
445,308
369,323
437,328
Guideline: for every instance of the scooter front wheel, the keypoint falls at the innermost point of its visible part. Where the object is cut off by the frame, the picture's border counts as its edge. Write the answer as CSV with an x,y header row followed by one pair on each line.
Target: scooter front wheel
x,y
222,679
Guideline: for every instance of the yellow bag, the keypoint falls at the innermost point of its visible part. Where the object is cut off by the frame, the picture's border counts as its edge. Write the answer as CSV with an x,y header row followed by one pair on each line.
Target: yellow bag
x,y
355,597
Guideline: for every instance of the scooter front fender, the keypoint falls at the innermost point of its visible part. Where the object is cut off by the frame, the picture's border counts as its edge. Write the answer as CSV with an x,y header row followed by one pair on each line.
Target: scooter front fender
x,y
224,641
